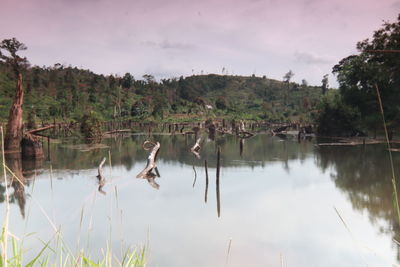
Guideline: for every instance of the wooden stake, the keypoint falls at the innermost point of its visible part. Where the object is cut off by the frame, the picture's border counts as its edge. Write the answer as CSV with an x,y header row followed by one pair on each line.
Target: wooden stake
x,y
217,183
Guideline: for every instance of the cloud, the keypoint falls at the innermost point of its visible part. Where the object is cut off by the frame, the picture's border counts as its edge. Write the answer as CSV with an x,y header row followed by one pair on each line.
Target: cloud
x,y
396,4
308,58
166,44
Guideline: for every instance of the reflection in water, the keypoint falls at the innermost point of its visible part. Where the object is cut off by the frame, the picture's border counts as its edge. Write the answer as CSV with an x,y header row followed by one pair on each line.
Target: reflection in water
x,y
241,143
195,176
364,174
14,163
206,191
101,178
147,172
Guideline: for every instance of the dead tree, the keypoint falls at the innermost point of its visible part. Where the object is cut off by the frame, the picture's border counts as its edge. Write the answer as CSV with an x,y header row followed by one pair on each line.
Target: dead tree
x,y
196,148
32,147
100,177
13,135
147,172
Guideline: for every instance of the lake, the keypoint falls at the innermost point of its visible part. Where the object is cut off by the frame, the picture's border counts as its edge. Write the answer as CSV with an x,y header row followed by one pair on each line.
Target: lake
x,y
281,202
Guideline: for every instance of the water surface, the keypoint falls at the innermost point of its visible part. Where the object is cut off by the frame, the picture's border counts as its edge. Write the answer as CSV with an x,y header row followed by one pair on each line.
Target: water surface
x,y
279,200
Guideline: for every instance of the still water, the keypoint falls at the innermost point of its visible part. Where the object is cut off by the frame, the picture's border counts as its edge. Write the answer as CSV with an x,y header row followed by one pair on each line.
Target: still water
x,y
281,202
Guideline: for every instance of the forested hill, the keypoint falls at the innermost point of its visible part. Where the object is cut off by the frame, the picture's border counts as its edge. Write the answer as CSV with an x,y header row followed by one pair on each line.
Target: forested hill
x,y
67,93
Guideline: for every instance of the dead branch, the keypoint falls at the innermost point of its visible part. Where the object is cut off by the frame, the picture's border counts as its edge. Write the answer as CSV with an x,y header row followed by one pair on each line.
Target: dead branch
x,y
196,148
34,131
118,131
100,177
151,160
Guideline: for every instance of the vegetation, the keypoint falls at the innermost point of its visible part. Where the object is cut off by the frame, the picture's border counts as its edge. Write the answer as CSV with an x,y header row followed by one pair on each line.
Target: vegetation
x,y
67,93
336,118
376,67
15,64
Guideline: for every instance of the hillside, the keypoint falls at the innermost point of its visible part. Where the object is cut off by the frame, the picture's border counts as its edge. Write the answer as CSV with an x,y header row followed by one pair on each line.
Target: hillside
x,y
66,93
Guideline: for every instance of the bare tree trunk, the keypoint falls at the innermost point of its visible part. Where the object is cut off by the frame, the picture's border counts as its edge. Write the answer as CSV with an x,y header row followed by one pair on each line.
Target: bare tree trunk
x,y
13,136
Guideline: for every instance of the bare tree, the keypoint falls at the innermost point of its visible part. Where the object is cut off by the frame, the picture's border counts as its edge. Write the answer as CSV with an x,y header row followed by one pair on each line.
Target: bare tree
x,y
286,78
8,55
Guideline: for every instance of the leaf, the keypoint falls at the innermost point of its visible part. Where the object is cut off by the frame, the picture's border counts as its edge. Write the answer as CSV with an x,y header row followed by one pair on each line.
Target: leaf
x,y
32,262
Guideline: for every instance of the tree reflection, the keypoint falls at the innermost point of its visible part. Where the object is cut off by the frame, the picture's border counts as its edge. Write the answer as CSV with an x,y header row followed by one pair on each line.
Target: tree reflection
x,y
364,174
19,173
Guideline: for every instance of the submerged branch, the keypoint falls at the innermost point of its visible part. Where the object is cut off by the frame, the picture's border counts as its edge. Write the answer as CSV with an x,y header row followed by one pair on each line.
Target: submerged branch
x,y
147,172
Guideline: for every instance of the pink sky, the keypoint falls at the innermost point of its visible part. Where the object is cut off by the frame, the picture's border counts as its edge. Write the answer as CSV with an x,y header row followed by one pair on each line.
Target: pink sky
x,y
177,37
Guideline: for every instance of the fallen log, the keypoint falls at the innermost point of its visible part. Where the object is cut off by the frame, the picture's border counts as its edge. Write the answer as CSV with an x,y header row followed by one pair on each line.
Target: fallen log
x,y
34,131
118,131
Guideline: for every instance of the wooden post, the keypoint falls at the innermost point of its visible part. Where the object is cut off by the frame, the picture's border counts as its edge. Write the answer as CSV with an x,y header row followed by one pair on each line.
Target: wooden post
x,y
48,149
205,194
241,146
195,176
217,182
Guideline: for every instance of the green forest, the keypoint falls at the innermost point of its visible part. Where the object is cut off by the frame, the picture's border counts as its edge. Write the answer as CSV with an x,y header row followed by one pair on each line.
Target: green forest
x,y
67,93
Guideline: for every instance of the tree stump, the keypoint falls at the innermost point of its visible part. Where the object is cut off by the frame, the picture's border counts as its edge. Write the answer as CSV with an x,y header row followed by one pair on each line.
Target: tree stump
x,y
31,146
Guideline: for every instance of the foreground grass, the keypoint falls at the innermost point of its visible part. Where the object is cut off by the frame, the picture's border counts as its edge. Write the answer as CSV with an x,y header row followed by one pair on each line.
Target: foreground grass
x,y
55,252
60,256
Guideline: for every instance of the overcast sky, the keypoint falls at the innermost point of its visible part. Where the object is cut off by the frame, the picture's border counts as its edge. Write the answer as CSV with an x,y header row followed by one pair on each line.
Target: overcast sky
x,y
170,38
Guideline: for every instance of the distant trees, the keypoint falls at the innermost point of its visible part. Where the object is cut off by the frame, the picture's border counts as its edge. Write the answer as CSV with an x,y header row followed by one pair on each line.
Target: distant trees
x,y
67,93
336,118
304,84
8,55
127,80
288,76
324,85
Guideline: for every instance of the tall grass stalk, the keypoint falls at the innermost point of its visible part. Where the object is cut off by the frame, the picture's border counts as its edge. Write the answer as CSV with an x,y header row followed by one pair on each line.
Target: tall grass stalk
x,y
396,198
4,234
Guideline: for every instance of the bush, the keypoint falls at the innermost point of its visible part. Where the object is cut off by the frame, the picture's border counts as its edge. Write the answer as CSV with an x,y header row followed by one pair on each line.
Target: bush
x,y
337,119
90,126
221,103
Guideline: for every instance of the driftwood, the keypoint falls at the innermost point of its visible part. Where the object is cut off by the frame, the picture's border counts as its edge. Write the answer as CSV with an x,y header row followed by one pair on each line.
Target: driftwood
x,y
244,134
196,148
280,129
100,177
147,172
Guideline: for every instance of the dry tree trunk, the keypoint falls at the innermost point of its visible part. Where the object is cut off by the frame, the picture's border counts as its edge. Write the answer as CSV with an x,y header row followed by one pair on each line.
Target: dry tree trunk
x,y
196,148
13,136
151,160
